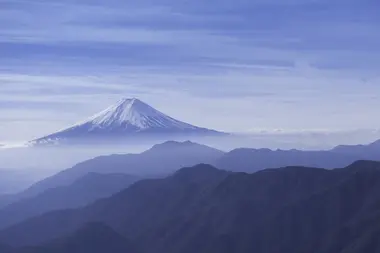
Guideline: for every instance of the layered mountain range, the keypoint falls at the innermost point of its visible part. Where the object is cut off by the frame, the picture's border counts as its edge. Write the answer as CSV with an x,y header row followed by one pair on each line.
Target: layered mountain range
x,y
203,209
184,205
163,159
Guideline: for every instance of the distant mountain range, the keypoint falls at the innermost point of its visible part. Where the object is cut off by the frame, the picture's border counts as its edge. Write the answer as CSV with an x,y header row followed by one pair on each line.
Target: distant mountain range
x,y
183,201
159,161
206,210
370,151
127,121
163,159
83,191
252,160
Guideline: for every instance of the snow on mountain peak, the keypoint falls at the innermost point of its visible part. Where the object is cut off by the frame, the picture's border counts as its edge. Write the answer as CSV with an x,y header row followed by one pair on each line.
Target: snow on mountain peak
x,y
134,114
127,118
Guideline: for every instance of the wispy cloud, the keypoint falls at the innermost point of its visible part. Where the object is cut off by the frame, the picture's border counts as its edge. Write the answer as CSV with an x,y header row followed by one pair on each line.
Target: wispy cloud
x,y
292,64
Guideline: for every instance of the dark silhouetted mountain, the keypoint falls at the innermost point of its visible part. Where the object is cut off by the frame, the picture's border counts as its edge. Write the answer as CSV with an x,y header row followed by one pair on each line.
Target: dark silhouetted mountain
x,y
128,120
370,151
5,249
85,190
161,160
157,199
252,160
202,209
92,238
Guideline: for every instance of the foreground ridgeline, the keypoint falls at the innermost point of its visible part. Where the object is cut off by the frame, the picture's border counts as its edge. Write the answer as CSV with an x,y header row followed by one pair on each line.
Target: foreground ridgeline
x,y
206,210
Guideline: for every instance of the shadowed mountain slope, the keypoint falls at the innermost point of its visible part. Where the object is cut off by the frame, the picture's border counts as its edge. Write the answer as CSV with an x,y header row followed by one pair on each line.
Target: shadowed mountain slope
x,y
91,238
160,160
202,209
83,191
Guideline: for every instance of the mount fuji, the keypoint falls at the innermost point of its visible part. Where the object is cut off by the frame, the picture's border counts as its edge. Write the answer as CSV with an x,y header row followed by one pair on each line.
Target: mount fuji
x,y
128,120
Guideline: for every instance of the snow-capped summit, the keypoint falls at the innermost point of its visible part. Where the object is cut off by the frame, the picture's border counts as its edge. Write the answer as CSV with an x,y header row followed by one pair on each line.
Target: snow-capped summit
x,y
129,118
133,114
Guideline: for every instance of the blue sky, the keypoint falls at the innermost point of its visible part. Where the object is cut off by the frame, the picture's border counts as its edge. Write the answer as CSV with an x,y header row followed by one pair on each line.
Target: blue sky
x,y
241,66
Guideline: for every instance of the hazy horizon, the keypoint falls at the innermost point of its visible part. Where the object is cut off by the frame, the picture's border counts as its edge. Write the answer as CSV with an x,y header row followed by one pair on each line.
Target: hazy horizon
x,y
177,126
306,79
230,67
312,138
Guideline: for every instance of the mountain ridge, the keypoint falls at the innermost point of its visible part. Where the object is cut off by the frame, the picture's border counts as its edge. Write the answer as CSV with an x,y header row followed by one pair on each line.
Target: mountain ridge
x,y
203,209
160,160
126,120
83,191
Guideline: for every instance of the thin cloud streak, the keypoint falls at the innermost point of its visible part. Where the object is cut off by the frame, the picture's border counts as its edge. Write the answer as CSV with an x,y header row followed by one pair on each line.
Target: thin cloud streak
x,y
227,65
